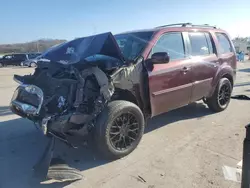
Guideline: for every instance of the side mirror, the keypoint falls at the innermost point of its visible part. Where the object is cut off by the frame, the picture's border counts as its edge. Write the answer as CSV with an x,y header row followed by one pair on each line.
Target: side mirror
x,y
160,58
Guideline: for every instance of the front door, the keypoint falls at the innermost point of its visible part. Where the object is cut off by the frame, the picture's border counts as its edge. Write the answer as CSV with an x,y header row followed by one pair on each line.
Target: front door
x,y
170,84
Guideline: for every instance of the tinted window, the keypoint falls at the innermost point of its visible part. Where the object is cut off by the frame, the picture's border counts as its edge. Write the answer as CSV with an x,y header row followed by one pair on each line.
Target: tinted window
x,y
7,57
172,43
224,44
19,56
199,44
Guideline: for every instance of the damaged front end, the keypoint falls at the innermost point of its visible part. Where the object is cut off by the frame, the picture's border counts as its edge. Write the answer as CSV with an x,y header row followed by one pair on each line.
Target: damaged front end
x,y
68,90
70,87
62,106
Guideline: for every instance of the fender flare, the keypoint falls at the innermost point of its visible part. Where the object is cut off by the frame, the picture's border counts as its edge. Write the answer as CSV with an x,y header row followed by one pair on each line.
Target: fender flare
x,y
225,71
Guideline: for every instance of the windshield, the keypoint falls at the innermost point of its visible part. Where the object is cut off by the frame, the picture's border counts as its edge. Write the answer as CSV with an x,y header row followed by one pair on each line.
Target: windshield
x,y
33,56
132,44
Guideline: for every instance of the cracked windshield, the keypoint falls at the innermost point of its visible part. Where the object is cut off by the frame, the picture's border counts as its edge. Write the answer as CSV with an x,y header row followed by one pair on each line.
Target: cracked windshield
x,y
125,94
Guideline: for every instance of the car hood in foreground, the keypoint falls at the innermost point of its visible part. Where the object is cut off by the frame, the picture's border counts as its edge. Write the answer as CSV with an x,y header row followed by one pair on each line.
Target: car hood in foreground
x,y
81,48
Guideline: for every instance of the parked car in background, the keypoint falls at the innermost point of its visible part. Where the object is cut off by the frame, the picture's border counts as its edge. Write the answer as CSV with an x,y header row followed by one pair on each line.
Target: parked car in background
x,y
15,58
12,59
32,60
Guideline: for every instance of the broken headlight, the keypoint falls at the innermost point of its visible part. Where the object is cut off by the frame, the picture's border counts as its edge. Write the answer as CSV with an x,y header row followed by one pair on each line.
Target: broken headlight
x,y
33,90
28,99
26,108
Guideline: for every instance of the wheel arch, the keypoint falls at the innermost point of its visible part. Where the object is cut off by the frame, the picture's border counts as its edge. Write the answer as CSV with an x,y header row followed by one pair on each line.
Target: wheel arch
x,y
224,72
229,77
125,95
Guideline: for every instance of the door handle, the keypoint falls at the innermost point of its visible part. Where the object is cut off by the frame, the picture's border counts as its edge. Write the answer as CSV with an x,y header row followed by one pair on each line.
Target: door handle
x,y
185,69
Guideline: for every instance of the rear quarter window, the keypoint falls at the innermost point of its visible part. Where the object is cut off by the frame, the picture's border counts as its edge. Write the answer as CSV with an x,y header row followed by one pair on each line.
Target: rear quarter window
x,y
20,57
224,43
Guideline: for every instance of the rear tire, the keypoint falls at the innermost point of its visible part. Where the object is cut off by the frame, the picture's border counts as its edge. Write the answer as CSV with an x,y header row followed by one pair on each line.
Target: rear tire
x,y
1,65
221,96
119,129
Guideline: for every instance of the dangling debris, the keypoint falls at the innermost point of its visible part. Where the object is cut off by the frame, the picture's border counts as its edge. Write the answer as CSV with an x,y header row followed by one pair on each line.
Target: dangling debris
x,y
240,97
59,171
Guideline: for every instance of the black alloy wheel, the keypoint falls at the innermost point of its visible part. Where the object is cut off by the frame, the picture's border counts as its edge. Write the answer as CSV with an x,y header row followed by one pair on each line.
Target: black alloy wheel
x,y
119,129
224,95
124,131
220,99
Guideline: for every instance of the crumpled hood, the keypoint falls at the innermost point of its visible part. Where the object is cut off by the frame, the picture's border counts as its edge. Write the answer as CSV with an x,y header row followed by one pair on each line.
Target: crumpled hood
x,y
81,48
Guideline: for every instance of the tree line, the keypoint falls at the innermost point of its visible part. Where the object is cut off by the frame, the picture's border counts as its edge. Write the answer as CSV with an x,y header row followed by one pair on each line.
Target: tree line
x,y
34,46
43,44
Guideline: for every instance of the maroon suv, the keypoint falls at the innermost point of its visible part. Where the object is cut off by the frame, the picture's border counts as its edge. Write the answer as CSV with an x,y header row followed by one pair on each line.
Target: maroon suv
x,y
110,85
193,63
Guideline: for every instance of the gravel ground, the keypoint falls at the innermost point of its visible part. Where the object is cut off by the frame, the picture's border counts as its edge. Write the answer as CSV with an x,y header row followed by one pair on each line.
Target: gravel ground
x,y
184,148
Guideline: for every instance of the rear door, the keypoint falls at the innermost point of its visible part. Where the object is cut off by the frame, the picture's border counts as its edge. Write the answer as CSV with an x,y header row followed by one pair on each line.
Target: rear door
x,y
205,63
170,84
18,58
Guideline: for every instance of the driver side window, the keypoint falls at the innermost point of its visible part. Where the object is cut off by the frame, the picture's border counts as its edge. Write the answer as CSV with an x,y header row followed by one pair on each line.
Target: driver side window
x,y
172,43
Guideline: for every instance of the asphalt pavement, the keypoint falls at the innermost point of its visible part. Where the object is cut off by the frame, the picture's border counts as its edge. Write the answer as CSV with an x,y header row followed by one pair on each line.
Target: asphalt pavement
x,y
188,147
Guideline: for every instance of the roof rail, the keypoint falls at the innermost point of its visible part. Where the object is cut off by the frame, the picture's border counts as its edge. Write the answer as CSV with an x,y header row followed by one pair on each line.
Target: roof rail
x,y
177,24
187,24
205,25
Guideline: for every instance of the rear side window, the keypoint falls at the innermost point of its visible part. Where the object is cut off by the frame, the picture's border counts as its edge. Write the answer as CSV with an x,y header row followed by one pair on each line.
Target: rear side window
x,y
20,56
224,44
200,44
8,57
172,43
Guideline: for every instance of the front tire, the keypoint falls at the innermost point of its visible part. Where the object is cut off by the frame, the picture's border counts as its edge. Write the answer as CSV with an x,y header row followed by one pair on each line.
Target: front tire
x,y
1,65
221,96
119,129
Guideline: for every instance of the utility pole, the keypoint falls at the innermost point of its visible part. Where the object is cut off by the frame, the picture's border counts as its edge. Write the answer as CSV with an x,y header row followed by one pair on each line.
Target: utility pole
x,y
37,46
